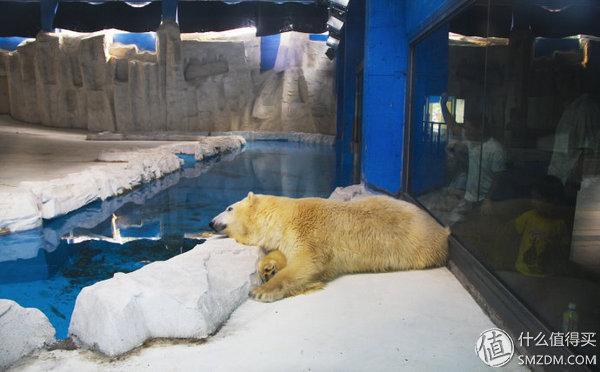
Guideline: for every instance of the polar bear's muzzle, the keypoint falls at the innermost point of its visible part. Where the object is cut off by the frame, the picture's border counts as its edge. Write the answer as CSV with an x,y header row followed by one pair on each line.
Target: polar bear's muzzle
x,y
217,226
219,223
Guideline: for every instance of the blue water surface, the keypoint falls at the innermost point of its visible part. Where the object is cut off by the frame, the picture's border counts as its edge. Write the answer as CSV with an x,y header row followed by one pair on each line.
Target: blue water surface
x,y
47,267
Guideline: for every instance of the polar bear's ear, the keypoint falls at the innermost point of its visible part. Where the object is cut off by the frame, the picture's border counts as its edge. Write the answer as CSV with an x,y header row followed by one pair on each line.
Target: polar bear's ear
x,y
251,197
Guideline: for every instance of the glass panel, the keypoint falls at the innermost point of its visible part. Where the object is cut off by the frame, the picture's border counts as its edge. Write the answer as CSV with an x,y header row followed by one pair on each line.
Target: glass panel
x,y
447,119
505,145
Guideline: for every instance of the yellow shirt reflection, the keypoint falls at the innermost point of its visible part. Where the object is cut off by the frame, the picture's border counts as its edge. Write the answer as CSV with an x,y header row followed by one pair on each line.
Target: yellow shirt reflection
x,y
541,236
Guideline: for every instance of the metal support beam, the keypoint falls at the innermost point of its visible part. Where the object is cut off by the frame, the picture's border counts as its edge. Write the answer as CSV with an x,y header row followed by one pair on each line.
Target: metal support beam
x,y
47,12
169,10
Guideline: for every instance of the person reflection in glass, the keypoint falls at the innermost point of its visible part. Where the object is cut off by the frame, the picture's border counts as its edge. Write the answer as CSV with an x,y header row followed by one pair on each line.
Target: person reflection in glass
x,y
544,237
486,158
576,141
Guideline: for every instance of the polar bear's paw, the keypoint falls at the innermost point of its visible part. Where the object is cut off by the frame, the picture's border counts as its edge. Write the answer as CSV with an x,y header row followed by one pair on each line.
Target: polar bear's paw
x,y
274,290
271,264
265,293
268,270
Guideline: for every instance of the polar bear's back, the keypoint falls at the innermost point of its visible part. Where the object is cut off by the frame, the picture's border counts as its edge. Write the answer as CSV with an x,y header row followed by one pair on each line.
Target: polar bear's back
x,y
377,233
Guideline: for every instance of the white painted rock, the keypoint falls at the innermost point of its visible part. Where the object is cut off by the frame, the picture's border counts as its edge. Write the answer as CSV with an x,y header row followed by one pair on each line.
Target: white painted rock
x,y
22,330
350,192
19,210
205,147
313,138
116,172
188,296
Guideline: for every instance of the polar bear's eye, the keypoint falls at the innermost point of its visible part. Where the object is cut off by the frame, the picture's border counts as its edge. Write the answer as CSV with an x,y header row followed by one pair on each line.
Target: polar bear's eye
x,y
229,209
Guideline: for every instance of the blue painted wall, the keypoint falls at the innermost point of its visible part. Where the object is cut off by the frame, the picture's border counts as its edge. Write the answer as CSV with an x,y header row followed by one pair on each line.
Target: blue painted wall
x,y
269,47
390,25
342,151
11,42
386,64
421,12
318,37
428,146
145,41
349,57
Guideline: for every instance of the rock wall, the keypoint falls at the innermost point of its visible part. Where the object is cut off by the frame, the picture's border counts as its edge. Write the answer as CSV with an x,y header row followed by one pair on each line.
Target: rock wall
x,y
194,82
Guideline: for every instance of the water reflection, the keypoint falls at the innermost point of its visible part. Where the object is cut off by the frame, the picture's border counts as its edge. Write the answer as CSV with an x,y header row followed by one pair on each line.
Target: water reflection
x,y
121,232
47,267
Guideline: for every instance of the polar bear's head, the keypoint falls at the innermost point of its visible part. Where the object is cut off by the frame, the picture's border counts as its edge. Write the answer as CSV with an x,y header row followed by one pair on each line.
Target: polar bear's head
x,y
235,221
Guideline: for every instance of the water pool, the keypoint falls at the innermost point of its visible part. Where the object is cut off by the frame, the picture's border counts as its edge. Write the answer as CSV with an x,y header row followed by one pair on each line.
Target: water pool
x,y
47,267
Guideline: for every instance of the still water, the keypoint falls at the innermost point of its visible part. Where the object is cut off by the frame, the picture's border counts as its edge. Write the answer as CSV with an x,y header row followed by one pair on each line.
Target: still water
x,y
47,267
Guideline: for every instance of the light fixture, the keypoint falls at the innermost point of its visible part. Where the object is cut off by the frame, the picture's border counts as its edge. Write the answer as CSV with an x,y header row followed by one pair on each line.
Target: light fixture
x,y
138,4
332,42
334,24
340,4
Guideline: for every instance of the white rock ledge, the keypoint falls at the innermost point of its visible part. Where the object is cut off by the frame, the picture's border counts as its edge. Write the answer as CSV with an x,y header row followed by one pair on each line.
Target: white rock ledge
x,y
188,296
22,330
115,173
351,192
313,138
19,210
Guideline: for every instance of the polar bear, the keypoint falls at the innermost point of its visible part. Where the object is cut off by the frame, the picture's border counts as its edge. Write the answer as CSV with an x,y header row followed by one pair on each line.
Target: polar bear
x,y
312,240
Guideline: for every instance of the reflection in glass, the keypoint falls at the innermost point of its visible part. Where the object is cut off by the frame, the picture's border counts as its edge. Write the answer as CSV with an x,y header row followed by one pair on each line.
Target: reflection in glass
x,y
515,171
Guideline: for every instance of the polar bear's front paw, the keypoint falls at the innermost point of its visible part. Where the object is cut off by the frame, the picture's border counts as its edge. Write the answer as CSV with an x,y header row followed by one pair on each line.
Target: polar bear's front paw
x,y
271,264
266,294
268,270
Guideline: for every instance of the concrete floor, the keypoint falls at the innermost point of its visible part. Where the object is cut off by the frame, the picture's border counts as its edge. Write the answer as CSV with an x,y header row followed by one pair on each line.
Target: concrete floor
x,y
417,321
35,153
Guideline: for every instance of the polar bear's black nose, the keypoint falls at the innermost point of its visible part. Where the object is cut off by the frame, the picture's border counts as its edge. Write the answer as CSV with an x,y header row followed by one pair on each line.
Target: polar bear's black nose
x,y
218,227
